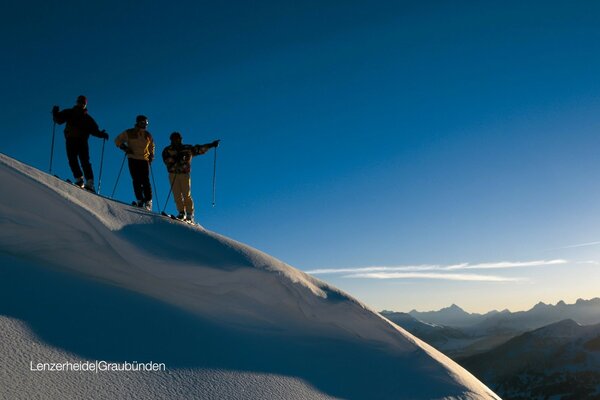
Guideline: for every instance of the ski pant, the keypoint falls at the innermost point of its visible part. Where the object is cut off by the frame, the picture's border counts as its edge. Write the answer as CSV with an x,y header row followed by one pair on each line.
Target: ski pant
x,y
140,173
182,192
78,151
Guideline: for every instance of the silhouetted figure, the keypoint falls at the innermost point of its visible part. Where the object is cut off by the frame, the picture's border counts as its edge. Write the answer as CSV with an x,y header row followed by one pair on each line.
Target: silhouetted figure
x,y
80,125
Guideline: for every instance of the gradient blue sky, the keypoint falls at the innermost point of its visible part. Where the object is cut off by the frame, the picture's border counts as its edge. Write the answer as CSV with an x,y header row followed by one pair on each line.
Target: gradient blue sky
x,y
429,137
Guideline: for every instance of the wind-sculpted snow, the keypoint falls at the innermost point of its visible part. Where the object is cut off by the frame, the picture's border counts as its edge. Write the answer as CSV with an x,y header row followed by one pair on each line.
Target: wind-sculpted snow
x,y
85,278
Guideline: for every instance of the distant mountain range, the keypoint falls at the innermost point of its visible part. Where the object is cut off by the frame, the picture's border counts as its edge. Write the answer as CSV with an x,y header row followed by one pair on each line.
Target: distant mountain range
x,y
549,351
585,312
451,316
454,342
561,359
461,334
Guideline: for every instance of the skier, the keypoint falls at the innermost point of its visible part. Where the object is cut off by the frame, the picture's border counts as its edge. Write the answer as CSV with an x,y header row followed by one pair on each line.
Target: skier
x,y
80,125
178,159
138,144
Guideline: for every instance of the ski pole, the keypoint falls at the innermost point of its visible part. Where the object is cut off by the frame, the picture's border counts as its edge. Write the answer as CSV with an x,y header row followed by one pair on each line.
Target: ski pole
x,y
214,177
101,163
118,176
52,147
154,184
169,195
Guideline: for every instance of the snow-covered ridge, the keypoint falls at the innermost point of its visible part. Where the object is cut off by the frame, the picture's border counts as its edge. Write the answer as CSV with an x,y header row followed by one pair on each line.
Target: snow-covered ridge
x,y
55,236
139,239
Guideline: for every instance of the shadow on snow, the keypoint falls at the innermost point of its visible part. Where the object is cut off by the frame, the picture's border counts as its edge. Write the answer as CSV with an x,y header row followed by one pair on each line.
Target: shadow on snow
x,y
101,322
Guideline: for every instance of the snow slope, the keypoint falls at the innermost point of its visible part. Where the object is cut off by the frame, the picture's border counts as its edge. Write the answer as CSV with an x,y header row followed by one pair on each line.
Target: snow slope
x,y
84,278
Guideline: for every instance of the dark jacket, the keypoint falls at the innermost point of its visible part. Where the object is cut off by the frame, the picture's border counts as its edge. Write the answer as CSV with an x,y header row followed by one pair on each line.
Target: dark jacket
x,y
79,123
178,158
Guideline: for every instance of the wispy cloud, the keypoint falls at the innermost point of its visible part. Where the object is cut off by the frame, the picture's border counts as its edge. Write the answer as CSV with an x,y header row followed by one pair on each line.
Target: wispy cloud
x,y
509,264
573,246
437,268
374,269
433,275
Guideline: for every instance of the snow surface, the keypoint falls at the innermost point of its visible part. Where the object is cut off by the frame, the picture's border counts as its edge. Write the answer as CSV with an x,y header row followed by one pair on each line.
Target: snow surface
x,y
85,278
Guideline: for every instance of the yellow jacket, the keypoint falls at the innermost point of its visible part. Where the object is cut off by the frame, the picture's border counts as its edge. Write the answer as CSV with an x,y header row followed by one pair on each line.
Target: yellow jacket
x,y
140,143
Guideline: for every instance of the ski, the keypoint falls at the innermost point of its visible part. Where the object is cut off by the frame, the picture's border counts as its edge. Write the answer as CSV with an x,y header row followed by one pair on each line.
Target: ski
x,y
136,205
174,217
80,187
164,214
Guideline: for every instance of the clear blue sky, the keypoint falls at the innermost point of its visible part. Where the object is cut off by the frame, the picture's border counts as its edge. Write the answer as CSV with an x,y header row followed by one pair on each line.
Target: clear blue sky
x,y
354,134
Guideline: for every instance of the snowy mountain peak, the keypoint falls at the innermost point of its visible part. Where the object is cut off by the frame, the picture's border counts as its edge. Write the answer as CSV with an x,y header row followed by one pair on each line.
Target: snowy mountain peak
x,y
455,308
87,278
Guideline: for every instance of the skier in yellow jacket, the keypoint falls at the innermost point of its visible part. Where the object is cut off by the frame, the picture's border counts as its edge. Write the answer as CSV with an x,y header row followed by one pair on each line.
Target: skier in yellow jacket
x,y
138,144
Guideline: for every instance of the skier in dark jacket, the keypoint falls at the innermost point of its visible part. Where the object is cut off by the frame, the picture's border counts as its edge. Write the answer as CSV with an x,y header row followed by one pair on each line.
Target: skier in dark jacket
x,y
178,159
80,125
